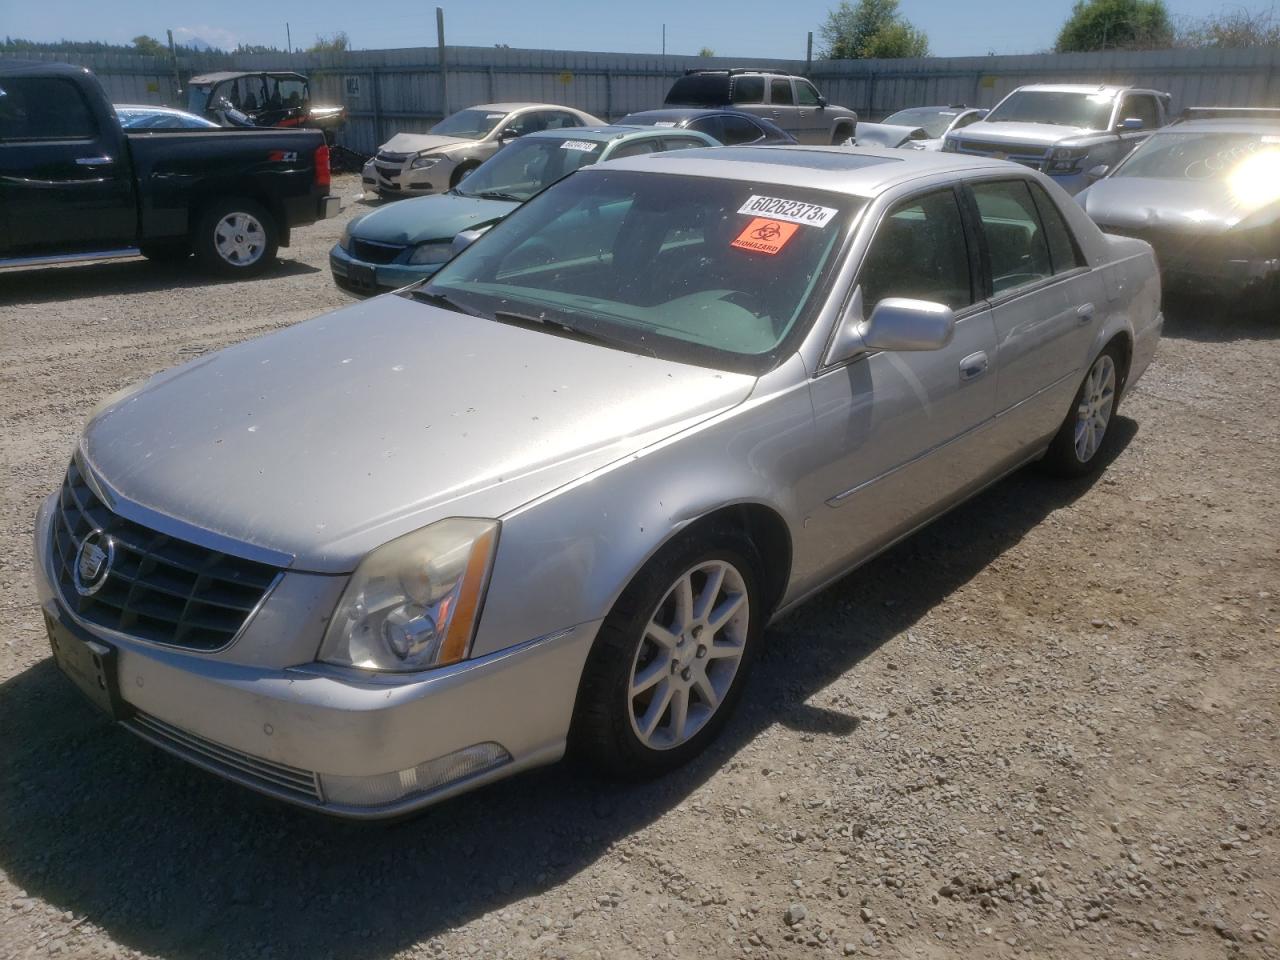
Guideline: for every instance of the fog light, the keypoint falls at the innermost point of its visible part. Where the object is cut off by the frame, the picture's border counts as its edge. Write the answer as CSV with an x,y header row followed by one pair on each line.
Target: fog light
x,y
384,788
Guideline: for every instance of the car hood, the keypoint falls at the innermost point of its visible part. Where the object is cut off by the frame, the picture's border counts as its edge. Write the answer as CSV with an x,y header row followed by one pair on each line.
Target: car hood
x,y
429,218
331,437
1031,134
1205,206
887,134
418,142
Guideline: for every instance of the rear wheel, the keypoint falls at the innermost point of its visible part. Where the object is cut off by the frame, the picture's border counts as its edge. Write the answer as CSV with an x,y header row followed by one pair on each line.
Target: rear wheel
x,y
236,238
670,661
1075,449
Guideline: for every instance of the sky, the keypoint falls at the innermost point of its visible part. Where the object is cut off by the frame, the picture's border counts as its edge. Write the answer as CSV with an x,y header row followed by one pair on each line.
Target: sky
x,y
745,28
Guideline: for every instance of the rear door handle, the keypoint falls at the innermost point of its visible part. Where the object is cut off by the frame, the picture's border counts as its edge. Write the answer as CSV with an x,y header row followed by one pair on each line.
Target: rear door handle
x,y
974,365
1085,313
93,161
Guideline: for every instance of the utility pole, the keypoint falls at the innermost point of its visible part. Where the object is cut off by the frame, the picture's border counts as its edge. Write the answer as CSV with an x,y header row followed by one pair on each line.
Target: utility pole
x,y
444,68
173,58
288,36
664,39
808,55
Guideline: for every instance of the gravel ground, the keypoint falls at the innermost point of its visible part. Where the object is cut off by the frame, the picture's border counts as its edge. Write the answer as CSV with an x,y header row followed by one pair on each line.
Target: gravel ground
x,y
1046,725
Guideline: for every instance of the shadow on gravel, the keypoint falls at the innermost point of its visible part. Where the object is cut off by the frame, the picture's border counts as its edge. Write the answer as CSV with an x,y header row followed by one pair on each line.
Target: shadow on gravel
x,y
1207,319
174,862
106,278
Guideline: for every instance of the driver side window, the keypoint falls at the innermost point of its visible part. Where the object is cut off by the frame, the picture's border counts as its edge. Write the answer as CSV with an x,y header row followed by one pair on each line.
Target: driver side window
x,y
919,251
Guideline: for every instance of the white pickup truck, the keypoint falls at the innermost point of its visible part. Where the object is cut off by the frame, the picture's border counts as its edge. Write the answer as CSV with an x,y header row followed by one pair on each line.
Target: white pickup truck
x,y
1073,132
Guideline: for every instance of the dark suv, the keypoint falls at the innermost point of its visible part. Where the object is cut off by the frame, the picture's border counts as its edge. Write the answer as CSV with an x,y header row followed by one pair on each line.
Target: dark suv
x,y
793,103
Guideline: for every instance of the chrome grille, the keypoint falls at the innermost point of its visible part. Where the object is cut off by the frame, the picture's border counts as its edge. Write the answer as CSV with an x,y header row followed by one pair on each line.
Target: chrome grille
x,y
158,588
266,775
1028,156
386,157
371,251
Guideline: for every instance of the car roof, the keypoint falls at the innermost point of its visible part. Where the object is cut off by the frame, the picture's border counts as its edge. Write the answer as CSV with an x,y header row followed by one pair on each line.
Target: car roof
x,y
1223,125
1102,89
957,107
220,75
519,105
149,107
857,171
688,113
602,134
51,67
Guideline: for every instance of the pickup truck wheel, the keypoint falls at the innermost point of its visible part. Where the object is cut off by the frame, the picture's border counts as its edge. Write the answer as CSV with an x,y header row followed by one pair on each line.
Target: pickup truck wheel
x,y
175,251
670,660
1075,450
236,238
841,133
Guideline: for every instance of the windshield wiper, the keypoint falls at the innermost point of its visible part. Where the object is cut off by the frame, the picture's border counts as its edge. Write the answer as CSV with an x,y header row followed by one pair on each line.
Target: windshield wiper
x,y
440,300
496,195
562,329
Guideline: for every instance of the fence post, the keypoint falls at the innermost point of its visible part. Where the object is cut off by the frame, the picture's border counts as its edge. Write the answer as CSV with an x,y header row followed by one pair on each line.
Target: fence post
x,y
492,96
444,68
608,96
173,58
374,77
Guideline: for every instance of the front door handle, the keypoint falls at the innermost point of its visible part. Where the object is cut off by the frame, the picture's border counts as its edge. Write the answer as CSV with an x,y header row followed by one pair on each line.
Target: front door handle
x,y
974,365
93,161
1085,313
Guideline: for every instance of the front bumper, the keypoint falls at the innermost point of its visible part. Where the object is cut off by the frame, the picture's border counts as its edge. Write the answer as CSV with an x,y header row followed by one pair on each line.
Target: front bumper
x,y
316,735
351,274
400,180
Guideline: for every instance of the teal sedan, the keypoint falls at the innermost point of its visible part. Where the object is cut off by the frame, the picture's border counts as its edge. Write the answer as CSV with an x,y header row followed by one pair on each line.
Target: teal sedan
x,y
409,240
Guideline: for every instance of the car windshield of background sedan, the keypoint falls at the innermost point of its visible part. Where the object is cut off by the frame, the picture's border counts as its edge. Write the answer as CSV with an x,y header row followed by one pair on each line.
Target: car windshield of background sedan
x,y
468,124
717,273
934,122
527,167
1204,156
1089,111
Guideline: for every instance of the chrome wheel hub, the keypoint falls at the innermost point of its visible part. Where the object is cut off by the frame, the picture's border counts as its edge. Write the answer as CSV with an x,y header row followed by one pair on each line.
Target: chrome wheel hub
x,y
690,653
240,239
1096,403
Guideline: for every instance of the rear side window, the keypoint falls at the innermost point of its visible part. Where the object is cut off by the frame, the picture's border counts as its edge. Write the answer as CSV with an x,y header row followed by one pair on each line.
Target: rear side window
x,y
44,108
780,92
635,149
748,90
700,90
806,95
1143,107
1063,253
919,251
560,120
735,130
1016,243
680,143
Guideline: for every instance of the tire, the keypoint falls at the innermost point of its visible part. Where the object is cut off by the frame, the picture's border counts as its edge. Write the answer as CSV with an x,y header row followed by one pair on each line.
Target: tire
x,y
462,170
1076,449
174,251
626,735
236,238
840,134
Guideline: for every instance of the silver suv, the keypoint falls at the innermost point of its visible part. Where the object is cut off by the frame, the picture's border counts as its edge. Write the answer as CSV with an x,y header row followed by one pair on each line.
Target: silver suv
x,y
793,103
1073,132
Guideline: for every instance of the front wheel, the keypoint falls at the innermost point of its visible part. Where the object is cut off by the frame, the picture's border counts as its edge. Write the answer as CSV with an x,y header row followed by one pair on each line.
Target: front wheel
x,y
463,171
1075,448
236,238
671,658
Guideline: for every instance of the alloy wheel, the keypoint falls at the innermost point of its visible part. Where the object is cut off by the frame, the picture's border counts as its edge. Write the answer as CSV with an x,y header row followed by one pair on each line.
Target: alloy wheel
x,y
240,239
1097,402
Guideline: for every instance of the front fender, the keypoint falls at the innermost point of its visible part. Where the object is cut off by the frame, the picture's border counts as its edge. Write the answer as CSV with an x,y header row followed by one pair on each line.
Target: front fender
x,y
565,558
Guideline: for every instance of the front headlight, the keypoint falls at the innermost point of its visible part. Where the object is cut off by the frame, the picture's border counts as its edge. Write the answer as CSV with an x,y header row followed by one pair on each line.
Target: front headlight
x,y
413,603
1065,159
422,162
440,251
345,240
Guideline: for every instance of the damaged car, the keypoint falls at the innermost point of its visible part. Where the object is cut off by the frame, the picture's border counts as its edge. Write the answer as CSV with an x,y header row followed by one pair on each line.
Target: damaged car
x,y
916,128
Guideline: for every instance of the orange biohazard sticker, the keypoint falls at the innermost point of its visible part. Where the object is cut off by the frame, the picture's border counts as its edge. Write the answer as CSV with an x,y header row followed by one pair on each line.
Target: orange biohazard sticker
x,y
765,236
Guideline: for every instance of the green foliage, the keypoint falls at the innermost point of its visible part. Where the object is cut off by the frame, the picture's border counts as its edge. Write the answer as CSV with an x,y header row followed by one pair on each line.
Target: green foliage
x,y
337,43
149,47
140,45
706,52
871,28
1231,28
1108,24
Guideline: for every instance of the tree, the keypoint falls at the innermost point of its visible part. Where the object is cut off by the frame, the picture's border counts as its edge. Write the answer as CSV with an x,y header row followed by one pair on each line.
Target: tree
x,y
1235,28
1107,24
149,46
706,52
871,28
337,43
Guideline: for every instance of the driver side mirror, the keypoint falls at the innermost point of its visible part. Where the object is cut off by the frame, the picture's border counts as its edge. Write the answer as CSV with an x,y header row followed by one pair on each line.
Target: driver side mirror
x,y
1130,123
822,102
1098,171
896,323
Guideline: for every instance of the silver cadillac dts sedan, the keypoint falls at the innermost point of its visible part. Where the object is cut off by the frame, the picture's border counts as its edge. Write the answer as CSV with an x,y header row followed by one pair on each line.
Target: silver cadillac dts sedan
x,y
550,499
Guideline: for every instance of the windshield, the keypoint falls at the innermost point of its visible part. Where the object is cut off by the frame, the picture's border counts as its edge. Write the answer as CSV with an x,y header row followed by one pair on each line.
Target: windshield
x,y
469,124
529,166
1089,111
935,122
155,119
720,273
1201,156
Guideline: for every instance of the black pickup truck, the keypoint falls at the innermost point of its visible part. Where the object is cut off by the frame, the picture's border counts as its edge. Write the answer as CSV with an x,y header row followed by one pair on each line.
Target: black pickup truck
x,y
74,185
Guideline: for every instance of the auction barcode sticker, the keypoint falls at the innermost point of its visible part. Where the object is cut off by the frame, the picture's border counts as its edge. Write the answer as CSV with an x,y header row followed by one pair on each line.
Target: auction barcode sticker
x,y
793,211
586,146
